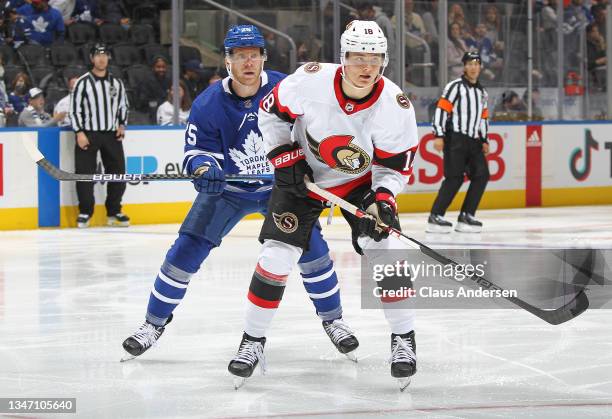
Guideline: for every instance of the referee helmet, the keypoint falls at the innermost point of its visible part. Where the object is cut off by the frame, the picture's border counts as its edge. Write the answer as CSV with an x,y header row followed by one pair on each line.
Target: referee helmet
x,y
99,48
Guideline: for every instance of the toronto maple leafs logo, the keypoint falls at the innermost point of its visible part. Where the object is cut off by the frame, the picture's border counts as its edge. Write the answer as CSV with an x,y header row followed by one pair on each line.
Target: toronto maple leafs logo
x,y
253,160
40,24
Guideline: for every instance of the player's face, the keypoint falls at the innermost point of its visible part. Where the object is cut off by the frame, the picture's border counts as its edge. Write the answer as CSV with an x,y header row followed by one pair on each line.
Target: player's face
x,y
246,65
472,69
362,68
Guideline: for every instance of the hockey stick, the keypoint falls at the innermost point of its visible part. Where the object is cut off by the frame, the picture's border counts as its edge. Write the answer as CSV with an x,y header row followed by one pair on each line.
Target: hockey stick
x,y
62,175
570,310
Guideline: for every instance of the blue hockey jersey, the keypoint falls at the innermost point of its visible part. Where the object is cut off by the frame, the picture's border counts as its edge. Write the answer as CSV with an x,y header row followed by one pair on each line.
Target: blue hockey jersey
x,y
222,130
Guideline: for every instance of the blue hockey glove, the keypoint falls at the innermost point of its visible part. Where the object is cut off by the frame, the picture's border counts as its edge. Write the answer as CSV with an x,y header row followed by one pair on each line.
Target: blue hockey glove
x,y
210,180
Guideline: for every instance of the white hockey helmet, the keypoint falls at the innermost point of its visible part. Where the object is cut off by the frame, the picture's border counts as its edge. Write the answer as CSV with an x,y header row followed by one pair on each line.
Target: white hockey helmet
x,y
363,36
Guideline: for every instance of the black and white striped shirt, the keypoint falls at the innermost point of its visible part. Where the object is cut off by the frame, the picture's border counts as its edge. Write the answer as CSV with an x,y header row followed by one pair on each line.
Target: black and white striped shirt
x,y
98,103
466,103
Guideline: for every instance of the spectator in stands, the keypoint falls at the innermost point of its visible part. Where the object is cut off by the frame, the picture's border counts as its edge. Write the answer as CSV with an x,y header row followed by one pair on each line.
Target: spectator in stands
x,y
575,19
63,105
5,106
596,56
65,7
456,15
43,24
599,13
430,19
14,30
19,91
536,111
165,112
87,11
510,108
215,77
114,11
479,41
152,91
193,77
455,50
492,20
34,114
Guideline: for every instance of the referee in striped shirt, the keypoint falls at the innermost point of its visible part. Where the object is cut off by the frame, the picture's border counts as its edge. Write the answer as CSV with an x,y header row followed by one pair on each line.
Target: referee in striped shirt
x,y
460,125
98,112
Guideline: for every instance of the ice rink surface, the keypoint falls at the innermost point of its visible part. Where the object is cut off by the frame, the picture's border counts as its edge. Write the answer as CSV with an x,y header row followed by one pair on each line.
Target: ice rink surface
x,y
68,298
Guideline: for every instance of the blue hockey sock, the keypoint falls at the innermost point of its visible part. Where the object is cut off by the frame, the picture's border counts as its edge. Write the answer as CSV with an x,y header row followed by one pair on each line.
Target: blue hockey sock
x,y
168,291
321,283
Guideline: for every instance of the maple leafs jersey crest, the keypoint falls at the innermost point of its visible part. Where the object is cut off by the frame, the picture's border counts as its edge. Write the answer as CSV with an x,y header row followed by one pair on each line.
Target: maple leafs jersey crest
x,y
253,159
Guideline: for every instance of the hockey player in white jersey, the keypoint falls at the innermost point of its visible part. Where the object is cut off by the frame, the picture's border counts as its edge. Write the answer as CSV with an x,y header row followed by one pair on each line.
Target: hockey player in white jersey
x,y
353,132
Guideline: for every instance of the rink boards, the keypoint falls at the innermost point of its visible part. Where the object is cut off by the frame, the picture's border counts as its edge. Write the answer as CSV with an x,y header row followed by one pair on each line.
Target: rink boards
x,y
531,165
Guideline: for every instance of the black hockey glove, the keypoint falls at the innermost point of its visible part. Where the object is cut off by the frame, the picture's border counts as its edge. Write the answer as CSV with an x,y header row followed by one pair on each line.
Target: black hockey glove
x,y
381,205
290,167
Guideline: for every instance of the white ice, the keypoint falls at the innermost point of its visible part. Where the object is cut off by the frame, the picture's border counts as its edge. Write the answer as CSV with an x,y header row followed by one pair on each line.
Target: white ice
x,y
68,298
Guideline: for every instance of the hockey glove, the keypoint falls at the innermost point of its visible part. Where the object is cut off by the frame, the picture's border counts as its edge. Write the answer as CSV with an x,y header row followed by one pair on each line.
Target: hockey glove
x,y
290,167
381,205
210,180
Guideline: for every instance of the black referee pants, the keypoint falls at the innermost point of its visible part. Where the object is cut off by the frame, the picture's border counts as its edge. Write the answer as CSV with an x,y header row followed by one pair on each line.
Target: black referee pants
x,y
113,160
463,155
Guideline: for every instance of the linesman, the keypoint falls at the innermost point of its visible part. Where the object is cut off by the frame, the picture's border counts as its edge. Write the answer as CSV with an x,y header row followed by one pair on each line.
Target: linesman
x,y
98,113
460,125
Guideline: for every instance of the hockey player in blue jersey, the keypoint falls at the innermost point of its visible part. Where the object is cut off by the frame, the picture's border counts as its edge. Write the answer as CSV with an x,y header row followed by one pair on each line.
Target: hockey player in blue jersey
x,y
222,137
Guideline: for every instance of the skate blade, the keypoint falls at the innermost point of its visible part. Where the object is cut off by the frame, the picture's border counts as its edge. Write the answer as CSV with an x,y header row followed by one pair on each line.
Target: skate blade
x,y
403,383
127,357
352,356
466,228
239,382
434,228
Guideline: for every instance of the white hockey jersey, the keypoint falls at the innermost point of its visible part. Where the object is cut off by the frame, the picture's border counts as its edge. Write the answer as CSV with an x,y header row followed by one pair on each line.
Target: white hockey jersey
x,y
346,142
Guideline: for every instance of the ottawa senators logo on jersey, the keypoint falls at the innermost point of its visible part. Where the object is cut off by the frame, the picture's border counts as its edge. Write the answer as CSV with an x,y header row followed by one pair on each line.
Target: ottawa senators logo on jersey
x,y
403,101
287,222
338,152
312,67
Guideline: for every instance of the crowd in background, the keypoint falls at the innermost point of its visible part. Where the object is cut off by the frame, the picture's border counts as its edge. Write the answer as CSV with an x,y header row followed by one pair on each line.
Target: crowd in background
x,y
497,30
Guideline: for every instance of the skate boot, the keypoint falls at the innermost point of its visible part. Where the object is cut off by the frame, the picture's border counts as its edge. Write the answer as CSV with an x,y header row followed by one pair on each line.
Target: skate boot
x,y
342,337
468,224
118,220
83,220
437,224
403,358
143,339
250,352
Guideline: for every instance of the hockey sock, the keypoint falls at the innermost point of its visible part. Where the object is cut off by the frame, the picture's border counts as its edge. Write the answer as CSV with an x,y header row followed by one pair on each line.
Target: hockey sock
x,y
401,320
268,285
182,261
321,283
168,290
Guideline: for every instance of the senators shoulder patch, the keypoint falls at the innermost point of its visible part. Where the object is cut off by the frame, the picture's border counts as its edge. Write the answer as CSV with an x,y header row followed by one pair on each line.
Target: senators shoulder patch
x,y
403,100
312,67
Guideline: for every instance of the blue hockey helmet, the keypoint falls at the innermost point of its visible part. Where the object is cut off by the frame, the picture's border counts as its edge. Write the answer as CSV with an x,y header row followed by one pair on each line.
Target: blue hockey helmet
x,y
242,36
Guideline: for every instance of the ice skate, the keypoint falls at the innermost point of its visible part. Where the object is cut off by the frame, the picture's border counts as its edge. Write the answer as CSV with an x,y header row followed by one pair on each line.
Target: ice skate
x,y
118,220
250,353
466,223
342,337
437,224
142,339
403,358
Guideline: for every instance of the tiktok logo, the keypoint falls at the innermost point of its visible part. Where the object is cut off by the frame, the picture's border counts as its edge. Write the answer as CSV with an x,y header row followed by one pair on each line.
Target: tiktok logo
x,y
583,172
